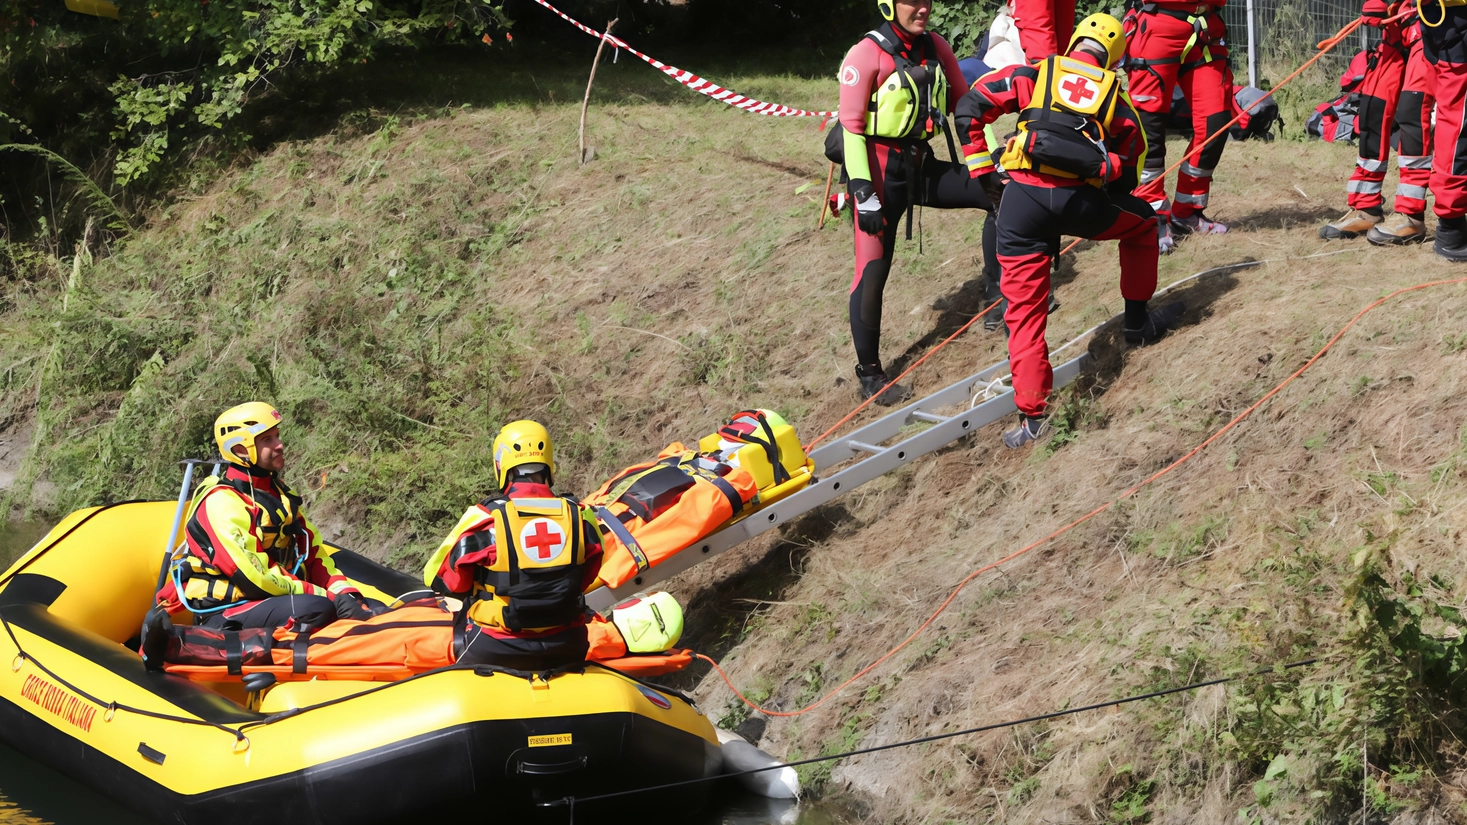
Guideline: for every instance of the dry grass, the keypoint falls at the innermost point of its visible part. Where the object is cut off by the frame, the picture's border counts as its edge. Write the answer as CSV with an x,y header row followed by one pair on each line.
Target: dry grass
x,y
1181,582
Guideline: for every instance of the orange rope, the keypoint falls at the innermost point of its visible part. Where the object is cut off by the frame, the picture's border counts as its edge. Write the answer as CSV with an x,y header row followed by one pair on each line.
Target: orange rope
x,y
1077,522
1324,48
864,404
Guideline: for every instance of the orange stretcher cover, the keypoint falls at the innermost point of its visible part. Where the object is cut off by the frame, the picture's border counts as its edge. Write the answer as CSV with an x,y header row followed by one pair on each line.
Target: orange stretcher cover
x,y
406,641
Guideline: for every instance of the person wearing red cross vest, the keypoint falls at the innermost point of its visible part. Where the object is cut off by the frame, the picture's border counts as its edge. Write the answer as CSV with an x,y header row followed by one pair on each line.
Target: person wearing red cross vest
x,y
1180,44
1380,94
520,561
898,85
1072,166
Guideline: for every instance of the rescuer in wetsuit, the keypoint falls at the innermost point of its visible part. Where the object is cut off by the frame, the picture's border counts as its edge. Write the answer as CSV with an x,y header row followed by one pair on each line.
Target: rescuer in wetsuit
x,y
1072,166
1380,95
897,86
254,559
521,562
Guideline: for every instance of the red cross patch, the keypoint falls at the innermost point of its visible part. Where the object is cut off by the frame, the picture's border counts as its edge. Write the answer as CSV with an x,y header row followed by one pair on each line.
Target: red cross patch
x,y
1078,91
543,540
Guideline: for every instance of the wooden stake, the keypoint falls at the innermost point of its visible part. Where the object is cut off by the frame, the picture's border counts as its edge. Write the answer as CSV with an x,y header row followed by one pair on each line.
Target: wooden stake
x,y
825,204
586,102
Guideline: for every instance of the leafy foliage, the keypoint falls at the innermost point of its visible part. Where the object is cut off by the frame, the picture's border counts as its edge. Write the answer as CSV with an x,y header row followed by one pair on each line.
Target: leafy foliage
x,y
964,22
235,48
1385,717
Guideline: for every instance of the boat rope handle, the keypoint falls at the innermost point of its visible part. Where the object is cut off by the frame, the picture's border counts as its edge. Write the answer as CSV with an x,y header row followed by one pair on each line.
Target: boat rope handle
x,y
1324,48
111,712
242,740
111,707
17,663
1088,516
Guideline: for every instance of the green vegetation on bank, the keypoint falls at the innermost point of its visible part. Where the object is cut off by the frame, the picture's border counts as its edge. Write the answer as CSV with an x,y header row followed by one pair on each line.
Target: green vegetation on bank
x,y
400,288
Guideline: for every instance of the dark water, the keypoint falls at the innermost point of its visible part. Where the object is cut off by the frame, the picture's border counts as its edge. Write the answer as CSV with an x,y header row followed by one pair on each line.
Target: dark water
x,y
31,794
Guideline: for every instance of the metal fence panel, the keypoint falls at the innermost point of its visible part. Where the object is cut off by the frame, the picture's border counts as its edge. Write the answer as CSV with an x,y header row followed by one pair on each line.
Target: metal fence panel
x,y
1284,34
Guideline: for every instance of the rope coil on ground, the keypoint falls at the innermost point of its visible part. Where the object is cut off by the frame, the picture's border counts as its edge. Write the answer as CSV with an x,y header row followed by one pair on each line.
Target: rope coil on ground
x,y
1081,520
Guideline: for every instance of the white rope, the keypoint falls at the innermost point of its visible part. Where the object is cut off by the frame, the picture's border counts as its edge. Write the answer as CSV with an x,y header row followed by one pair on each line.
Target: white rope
x,y
1169,287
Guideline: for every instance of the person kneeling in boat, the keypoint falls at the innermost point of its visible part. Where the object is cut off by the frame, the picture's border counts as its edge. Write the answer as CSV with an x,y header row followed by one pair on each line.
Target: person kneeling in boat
x,y
253,558
521,561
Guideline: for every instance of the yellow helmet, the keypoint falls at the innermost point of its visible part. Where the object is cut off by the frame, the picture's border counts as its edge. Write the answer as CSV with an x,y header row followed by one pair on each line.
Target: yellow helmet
x,y
519,443
649,623
1105,30
887,9
239,426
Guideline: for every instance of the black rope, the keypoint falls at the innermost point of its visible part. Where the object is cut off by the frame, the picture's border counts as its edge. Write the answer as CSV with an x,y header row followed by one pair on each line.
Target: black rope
x,y
112,706
571,800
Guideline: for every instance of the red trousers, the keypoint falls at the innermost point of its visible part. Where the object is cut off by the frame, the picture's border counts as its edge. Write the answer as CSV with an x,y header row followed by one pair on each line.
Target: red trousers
x,y
1380,93
1156,66
1413,121
1030,220
1445,49
1045,26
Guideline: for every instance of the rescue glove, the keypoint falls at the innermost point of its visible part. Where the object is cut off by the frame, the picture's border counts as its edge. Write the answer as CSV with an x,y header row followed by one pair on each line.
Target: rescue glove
x,y
351,605
868,206
1111,168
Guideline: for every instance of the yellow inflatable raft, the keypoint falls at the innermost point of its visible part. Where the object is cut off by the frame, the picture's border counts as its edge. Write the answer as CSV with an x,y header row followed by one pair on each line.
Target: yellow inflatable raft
x,y
74,695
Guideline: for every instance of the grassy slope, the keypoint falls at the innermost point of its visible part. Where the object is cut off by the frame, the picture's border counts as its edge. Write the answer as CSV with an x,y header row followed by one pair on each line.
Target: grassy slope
x,y
402,289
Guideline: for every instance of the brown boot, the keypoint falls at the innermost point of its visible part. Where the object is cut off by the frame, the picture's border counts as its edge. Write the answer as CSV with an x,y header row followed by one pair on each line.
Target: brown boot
x,y
1405,229
1353,225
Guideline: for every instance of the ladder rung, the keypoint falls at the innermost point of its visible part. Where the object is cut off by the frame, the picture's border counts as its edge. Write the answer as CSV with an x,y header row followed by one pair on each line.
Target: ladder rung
x,y
861,445
927,416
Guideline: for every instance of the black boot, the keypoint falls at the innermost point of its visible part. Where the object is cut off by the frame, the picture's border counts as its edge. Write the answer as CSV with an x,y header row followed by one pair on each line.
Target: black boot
x,y
157,633
993,319
1451,239
874,382
1143,326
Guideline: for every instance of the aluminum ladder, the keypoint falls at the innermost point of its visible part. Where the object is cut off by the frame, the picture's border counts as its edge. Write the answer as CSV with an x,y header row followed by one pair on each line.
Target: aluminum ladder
x,y
875,459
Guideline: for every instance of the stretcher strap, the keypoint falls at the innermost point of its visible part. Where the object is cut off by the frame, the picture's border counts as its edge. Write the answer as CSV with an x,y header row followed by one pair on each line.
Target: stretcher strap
x,y
692,81
735,503
623,535
299,648
234,652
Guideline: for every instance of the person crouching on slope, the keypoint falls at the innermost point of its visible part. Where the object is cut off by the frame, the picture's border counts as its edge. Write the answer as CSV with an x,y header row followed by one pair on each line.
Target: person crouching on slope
x,y
521,561
897,86
253,558
1072,166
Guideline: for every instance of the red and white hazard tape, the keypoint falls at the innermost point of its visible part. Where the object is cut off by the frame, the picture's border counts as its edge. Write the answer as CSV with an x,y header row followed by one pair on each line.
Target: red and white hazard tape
x,y
693,81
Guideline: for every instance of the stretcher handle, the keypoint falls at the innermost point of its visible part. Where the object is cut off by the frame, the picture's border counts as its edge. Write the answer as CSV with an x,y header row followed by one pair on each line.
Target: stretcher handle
x,y
188,465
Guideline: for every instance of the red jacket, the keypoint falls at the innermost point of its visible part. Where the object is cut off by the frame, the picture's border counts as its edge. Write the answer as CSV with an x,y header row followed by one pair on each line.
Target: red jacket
x,y
1009,91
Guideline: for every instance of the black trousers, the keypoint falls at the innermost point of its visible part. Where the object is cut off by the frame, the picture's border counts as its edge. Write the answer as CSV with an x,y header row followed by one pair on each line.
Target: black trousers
x,y
938,184
567,647
302,613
